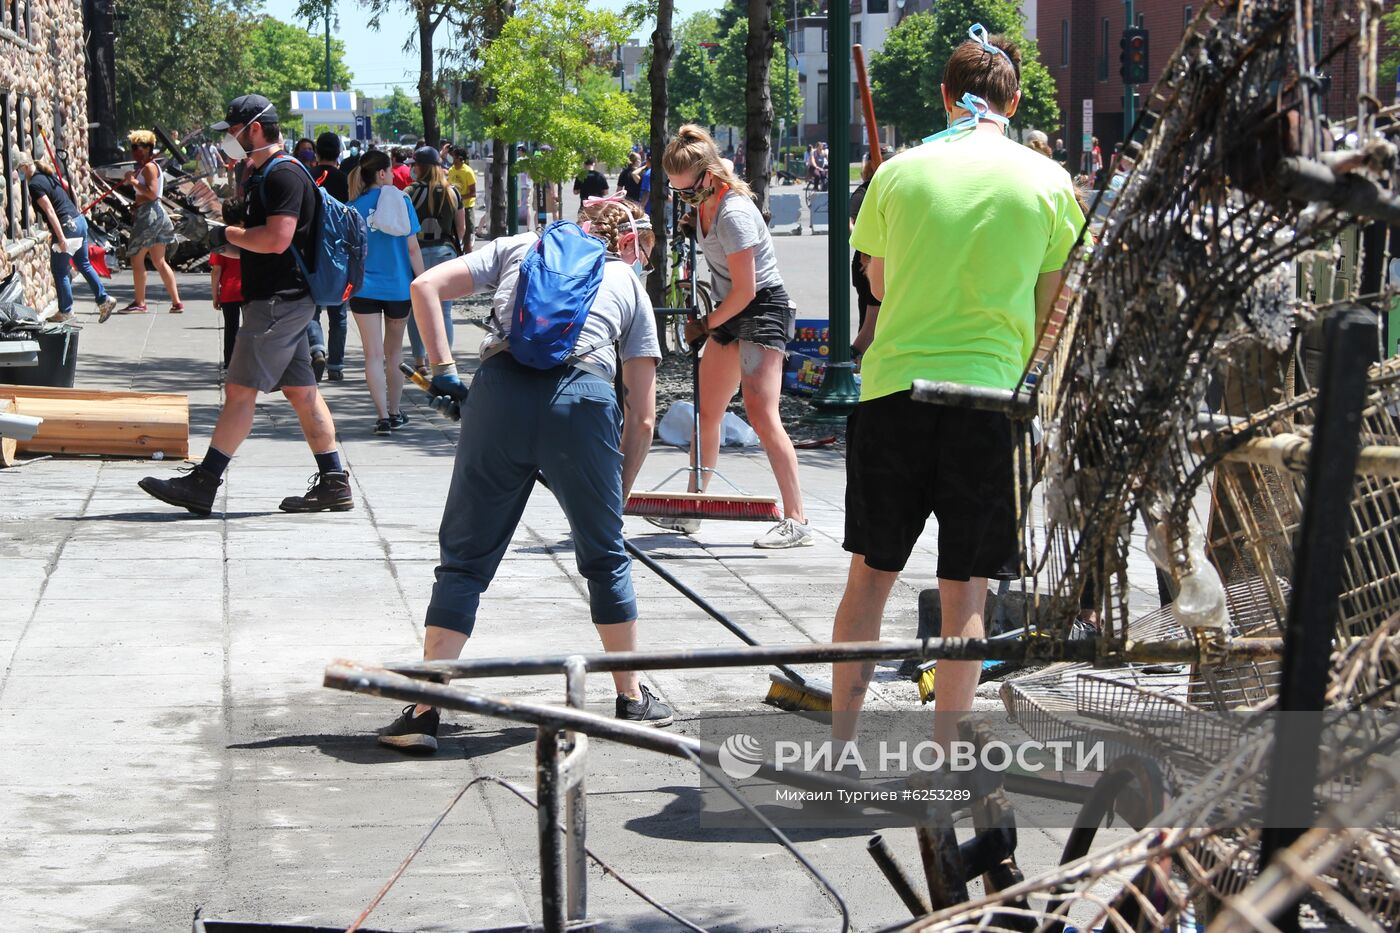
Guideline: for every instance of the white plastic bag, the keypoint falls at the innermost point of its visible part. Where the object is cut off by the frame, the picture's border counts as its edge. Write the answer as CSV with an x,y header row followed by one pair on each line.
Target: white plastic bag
x,y
678,423
390,214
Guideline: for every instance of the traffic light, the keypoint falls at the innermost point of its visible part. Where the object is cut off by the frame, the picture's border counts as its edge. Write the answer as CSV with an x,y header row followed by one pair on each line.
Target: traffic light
x,y
1133,58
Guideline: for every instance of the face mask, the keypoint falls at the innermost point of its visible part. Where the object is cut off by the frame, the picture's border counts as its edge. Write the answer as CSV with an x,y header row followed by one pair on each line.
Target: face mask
x,y
696,196
232,147
638,268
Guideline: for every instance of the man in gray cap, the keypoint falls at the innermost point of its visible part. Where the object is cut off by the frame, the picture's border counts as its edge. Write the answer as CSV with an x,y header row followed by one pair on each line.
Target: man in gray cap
x,y
271,351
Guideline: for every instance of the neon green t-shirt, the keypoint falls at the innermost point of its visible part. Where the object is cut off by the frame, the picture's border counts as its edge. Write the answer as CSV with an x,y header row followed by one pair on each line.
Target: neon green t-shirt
x,y
965,224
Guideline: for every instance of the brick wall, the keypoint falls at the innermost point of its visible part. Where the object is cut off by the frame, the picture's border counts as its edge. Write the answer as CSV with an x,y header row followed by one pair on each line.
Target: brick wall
x,y
43,88
1166,22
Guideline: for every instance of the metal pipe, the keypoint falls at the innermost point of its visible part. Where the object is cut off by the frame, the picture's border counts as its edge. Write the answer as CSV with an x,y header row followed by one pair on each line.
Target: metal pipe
x,y
575,672
346,675
1312,611
1307,180
1291,452
894,874
1116,651
1013,402
551,827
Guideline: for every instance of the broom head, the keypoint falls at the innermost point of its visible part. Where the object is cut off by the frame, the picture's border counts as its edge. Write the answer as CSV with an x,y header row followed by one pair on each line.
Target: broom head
x,y
702,505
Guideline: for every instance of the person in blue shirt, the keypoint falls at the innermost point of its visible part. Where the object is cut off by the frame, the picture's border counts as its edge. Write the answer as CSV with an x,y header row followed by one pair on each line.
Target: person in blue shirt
x,y
381,305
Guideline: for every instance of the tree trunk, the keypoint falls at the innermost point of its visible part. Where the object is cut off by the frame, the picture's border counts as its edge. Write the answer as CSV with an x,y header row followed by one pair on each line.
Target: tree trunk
x,y
498,187
758,100
427,87
662,48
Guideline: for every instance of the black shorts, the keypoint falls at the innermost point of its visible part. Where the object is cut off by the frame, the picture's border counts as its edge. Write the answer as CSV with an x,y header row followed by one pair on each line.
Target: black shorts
x,y
393,310
768,321
906,460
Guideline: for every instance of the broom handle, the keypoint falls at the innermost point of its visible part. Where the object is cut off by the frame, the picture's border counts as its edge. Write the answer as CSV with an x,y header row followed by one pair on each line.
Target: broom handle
x,y
694,597
872,132
697,467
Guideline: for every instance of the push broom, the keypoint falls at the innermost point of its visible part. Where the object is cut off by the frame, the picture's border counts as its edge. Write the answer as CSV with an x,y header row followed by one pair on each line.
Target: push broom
x,y
698,505
787,689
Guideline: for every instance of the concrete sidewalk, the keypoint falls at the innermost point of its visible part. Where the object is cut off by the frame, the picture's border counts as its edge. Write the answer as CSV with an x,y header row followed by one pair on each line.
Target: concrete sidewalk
x,y
167,743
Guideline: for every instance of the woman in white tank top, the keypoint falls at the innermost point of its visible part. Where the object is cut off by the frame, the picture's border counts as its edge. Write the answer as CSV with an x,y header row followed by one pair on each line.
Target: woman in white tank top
x,y
151,229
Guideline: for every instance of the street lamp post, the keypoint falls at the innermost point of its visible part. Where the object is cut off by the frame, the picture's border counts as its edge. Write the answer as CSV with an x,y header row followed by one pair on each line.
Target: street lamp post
x,y
838,394
328,45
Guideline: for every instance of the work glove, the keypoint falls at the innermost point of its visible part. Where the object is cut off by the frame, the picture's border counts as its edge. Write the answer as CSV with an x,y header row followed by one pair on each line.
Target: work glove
x,y
218,237
696,331
447,395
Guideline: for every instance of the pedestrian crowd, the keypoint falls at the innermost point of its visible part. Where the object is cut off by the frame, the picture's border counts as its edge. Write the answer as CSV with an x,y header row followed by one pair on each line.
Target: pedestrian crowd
x,y
961,242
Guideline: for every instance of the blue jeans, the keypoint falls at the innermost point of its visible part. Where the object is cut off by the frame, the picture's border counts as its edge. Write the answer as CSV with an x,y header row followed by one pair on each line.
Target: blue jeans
x,y
432,256
62,267
517,422
316,336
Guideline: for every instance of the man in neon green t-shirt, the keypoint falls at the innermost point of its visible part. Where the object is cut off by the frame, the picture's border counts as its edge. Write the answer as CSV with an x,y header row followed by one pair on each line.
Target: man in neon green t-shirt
x,y
967,233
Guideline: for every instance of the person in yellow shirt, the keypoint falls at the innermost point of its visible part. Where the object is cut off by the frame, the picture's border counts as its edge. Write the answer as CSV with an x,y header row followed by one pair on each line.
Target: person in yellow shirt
x,y
461,177
967,234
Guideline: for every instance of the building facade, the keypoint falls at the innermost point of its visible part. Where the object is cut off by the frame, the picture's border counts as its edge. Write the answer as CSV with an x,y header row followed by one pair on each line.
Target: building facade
x,y
1079,44
43,107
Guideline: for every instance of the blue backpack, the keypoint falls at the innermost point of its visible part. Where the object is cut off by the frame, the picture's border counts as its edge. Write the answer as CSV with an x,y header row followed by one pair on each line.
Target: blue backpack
x,y
559,280
340,242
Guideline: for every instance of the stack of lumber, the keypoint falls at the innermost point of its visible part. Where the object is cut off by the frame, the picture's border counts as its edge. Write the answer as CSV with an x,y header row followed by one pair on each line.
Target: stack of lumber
x,y
115,424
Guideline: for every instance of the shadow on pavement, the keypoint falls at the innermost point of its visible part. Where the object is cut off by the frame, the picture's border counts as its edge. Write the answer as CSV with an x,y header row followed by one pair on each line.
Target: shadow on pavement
x,y
364,750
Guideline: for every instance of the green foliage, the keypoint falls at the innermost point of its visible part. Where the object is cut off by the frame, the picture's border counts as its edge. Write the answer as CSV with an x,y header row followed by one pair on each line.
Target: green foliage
x,y
403,117
906,75
281,58
726,91
175,58
692,74
1390,23
553,85
697,28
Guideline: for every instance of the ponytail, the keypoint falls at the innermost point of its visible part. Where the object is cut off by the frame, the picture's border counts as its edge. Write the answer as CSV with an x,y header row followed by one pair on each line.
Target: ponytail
x,y
694,150
362,178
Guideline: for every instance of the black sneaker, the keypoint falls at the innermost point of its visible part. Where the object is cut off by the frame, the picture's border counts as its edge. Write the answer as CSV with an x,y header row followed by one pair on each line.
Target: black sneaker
x,y
410,733
193,489
383,426
397,419
329,492
335,375
318,364
648,711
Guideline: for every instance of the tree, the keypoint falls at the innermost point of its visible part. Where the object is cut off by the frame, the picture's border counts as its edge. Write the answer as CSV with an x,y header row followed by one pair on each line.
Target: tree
x,y
692,74
280,58
174,59
1390,23
548,67
402,117
905,76
758,99
662,48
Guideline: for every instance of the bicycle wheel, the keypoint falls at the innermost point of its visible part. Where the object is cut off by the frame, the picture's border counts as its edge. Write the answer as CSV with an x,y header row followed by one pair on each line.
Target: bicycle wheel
x,y
680,296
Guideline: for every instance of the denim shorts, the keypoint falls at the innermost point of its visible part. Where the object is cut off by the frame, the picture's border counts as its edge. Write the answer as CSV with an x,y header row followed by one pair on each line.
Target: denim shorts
x,y
768,321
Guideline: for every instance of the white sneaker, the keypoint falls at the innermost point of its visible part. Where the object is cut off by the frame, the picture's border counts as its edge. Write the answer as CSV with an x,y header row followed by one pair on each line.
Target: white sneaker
x,y
787,533
684,526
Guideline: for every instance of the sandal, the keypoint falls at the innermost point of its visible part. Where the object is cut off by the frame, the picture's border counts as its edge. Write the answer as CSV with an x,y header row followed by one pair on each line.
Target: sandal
x,y
133,308
177,307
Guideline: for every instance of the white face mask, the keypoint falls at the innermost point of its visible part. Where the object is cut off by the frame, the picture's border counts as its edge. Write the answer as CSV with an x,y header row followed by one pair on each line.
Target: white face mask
x,y
232,147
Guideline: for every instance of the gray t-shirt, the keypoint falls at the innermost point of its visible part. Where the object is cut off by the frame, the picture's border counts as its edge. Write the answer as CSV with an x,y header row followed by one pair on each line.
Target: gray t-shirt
x,y
621,315
738,226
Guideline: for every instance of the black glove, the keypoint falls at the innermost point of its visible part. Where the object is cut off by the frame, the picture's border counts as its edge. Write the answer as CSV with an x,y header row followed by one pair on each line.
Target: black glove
x,y
218,237
696,330
448,393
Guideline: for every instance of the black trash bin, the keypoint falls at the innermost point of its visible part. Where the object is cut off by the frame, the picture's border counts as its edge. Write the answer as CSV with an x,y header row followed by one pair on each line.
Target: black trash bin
x,y
58,360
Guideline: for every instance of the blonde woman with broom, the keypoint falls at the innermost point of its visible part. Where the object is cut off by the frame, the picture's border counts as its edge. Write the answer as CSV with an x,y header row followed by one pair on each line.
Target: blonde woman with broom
x,y
749,328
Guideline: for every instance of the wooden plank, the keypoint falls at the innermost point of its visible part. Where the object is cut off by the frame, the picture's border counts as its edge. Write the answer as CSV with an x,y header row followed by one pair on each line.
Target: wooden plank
x,y
81,421
8,445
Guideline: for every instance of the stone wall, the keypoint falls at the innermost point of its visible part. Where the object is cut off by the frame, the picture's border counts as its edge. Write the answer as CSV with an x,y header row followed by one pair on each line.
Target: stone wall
x,y
43,89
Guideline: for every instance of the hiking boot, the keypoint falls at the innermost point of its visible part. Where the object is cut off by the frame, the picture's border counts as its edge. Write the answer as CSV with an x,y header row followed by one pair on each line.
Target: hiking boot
x,y
397,419
410,733
318,364
787,533
681,526
383,426
193,489
648,711
329,492
105,309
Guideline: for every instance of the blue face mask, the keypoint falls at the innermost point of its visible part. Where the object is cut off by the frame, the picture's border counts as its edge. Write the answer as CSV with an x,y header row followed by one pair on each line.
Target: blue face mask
x,y
638,268
977,108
